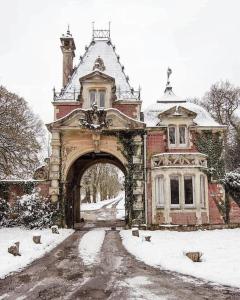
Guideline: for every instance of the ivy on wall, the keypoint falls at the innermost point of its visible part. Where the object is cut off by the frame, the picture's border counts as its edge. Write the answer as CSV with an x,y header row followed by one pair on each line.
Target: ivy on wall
x,y
211,144
128,150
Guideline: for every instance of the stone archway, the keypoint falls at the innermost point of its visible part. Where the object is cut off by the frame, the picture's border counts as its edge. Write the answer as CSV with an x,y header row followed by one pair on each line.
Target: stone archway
x,y
73,179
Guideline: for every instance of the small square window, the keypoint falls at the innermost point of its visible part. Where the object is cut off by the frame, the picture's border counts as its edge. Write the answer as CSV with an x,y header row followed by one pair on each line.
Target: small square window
x,y
101,98
172,135
182,135
93,95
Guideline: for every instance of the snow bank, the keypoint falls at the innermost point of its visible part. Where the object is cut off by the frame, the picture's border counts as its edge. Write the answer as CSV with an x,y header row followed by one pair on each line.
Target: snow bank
x,y
90,246
220,248
29,251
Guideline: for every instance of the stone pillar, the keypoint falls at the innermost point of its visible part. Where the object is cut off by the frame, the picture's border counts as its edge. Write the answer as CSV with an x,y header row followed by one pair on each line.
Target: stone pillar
x,y
138,192
54,169
197,198
167,197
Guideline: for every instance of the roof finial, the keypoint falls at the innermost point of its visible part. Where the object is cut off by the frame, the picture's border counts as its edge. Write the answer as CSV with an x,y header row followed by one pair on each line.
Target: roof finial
x,y
68,30
169,72
168,88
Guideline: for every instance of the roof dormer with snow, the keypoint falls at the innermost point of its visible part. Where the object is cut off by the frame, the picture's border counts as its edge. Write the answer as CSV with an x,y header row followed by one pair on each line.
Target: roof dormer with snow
x,y
170,106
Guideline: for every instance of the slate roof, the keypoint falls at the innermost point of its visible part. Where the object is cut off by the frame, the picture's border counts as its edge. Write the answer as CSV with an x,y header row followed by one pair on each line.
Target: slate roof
x,y
106,51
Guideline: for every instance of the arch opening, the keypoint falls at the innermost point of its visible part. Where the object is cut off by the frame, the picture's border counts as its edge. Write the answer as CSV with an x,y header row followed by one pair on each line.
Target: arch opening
x,y
81,181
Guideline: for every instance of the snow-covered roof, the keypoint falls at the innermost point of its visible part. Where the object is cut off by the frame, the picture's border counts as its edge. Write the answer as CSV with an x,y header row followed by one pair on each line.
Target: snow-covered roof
x,y
169,100
106,51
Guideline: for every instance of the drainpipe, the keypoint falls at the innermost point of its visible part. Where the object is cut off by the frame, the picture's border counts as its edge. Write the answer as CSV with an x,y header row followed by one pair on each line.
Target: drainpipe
x,y
145,176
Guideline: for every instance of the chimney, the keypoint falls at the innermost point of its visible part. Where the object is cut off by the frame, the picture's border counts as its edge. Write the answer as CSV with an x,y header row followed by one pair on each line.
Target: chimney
x,y
67,47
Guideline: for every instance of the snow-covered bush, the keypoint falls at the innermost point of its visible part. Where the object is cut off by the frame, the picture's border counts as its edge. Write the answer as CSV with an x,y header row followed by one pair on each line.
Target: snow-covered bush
x,y
31,211
4,212
231,182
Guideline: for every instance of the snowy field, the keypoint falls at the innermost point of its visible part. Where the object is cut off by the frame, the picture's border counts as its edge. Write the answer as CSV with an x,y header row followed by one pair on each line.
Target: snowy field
x,y
220,248
28,250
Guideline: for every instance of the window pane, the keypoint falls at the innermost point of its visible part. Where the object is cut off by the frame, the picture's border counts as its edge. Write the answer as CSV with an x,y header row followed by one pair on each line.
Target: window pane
x,y
174,185
159,191
172,135
102,98
188,189
202,190
92,97
182,135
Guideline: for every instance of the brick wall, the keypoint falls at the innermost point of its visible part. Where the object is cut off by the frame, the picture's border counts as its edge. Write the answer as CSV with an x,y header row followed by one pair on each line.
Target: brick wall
x,y
182,218
130,110
234,213
64,109
214,193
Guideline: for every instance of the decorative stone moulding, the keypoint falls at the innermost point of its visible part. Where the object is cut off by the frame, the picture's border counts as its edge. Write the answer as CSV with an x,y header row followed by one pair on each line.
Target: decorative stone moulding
x,y
55,160
197,160
138,191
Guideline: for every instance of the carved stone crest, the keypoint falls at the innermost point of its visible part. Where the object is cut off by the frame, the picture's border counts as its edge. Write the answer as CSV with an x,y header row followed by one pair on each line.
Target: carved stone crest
x,y
99,64
95,118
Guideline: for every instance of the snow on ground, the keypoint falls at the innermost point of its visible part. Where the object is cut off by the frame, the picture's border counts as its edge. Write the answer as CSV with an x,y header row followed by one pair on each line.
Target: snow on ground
x,y
220,248
98,205
120,215
29,251
90,245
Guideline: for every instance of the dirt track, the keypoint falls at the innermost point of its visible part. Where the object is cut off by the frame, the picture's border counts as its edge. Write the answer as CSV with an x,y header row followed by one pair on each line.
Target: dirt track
x,y
62,275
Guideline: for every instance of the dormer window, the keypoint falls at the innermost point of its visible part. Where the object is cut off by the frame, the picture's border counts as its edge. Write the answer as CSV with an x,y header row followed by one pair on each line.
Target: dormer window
x,y
177,136
97,96
182,135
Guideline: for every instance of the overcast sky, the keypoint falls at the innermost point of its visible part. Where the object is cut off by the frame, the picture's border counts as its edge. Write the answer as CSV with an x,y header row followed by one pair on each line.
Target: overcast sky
x,y
198,39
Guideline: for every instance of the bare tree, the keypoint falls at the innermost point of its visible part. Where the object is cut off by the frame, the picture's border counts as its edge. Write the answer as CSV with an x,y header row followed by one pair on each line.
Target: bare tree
x,y
103,180
222,102
21,133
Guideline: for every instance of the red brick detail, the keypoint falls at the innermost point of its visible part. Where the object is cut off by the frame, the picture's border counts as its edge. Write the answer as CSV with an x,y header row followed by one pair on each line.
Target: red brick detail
x,y
184,218
43,188
214,194
65,109
234,213
130,110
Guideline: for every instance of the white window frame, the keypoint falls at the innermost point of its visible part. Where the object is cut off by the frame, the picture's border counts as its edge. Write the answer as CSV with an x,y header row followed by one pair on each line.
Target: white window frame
x,y
172,205
177,136
175,129
203,191
159,191
193,191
